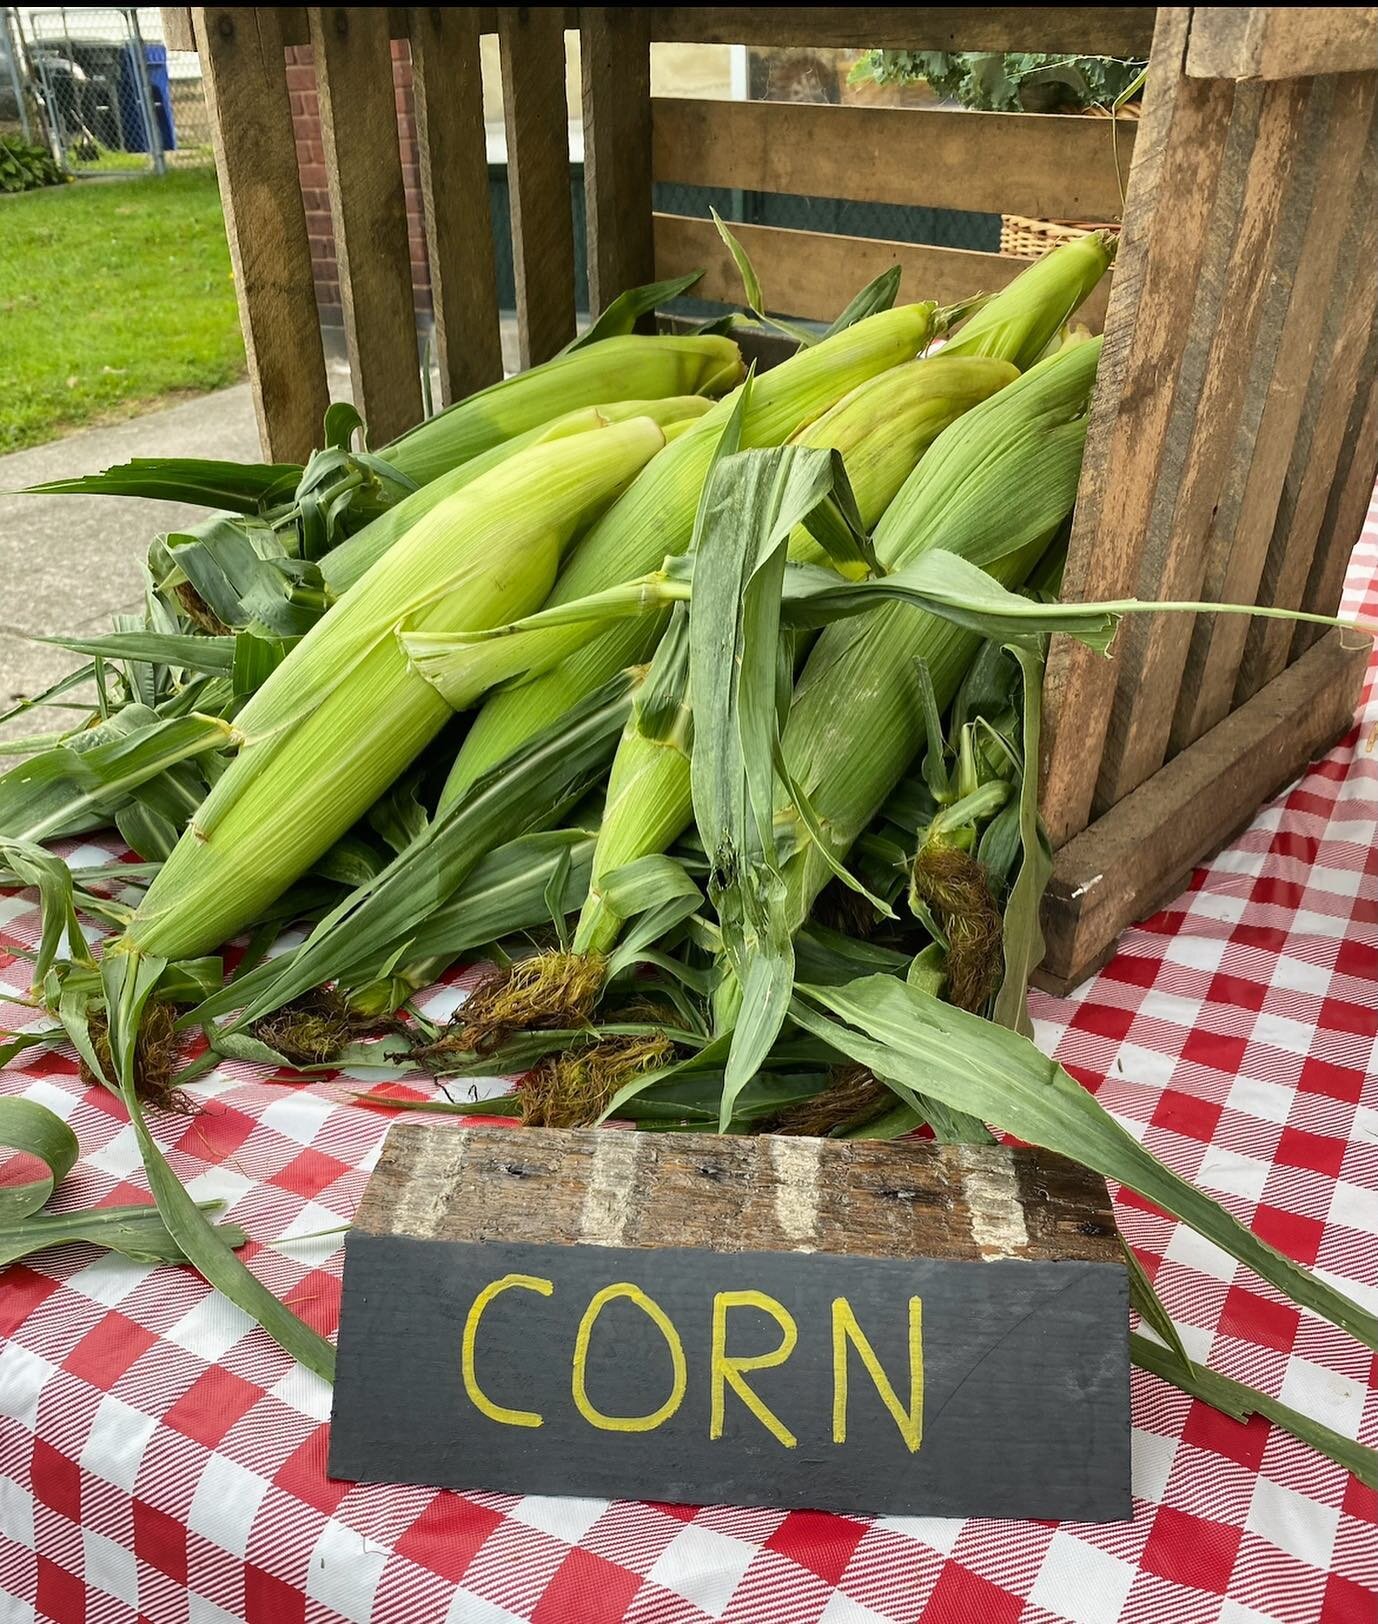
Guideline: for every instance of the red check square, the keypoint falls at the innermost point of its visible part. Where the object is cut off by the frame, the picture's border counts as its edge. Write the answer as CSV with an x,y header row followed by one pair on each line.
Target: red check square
x,y
212,1405
61,1596
160,1541
1191,1550
961,1594
1317,1151
108,1349
589,1588
24,1291
1252,1318
1300,1238
818,1541
268,1600
310,1173
447,1535
1188,1115
56,1481
1240,1441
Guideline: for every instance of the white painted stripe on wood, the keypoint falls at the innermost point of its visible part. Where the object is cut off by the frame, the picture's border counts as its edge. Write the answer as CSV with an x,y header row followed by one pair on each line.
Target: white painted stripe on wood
x,y
992,1196
795,1163
612,1179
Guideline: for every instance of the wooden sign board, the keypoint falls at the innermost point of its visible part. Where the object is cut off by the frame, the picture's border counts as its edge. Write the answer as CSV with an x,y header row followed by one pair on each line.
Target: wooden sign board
x,y
906,1328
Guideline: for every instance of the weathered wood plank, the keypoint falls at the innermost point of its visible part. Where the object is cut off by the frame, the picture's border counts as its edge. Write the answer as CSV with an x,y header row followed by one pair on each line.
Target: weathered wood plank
x,y
1281,42
1329,147
1171,196
1047,166
1096,30
448,88
1137,856
588,1275
245,79
615,54
1192,488
178,33
364,170
812,274
533,90
1346,361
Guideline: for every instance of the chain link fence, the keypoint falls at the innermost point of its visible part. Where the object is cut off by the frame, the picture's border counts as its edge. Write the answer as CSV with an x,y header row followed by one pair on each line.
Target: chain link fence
x,y
100,88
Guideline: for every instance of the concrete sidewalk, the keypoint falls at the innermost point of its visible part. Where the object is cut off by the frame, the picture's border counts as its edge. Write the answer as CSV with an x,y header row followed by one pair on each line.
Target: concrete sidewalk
x,y
67,563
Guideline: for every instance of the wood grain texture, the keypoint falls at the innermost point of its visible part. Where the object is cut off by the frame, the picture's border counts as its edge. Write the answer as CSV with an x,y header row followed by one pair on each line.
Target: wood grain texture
x,y
533,88
1137,856
245,80
178,32
364,170
1098,30
1170,200
1328,151
1048,166
1345,365
609,1187
813,274
1192,482
615,55
1281,42
452,152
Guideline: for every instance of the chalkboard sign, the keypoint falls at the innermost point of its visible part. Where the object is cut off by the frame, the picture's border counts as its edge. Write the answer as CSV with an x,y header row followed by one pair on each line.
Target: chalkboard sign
x,y
517,1316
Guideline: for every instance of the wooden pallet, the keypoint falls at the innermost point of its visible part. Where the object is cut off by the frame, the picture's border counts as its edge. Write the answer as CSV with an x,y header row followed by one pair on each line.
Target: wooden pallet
x,y
1233,438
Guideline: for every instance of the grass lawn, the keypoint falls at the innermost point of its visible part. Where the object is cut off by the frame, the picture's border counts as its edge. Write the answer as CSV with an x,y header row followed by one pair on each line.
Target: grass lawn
x,y
112,294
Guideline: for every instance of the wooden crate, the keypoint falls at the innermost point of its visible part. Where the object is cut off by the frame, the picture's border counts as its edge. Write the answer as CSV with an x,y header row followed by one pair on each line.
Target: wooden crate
x,y
1233,437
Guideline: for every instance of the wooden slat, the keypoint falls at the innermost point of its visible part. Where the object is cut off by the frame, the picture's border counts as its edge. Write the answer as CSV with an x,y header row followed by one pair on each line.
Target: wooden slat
x,y
1083,30
1281,42
1329,146
1217,387
533,88
1170,200
178,33
368,205
812,274
1047,166
615,53
296,29
1138,855
448,88
1346,358
245,79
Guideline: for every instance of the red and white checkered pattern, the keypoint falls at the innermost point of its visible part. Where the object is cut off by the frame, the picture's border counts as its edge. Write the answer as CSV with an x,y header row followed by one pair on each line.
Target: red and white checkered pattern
x,y
162,1462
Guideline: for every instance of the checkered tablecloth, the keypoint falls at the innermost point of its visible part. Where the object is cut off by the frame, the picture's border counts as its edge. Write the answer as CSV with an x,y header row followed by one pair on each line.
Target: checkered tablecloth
x,y
162,1462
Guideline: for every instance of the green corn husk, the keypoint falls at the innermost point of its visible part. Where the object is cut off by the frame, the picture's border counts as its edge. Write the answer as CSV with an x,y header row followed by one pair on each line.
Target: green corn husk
x,y
1020,323
628,367
344,714
882,429
655,520
349,562
994,489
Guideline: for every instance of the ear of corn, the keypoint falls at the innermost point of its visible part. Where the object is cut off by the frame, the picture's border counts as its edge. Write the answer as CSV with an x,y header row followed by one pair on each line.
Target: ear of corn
x,y
623,368
349,562
344,714
1020,322
656,519
994,489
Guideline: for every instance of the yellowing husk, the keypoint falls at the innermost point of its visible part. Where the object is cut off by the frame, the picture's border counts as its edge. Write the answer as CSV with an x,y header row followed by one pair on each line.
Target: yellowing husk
x,y
345,714
352,559
654,521
629,367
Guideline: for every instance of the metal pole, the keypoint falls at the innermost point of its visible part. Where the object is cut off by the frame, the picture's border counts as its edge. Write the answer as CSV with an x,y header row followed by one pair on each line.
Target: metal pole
x,y
155,135
21,99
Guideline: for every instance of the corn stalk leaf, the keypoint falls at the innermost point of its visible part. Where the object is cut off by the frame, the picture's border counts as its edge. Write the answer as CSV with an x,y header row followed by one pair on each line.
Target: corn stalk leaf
x,y
622,315
879,294
135,1232
31,865
1021,927
128,981
902,1032
1240,1402
240,487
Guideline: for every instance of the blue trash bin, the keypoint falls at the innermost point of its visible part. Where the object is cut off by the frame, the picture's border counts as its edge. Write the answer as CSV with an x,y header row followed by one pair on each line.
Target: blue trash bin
x,y
133,127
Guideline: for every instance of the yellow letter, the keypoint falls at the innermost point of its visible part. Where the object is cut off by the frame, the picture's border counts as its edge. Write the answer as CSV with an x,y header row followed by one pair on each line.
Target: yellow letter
x,y
845,1327
481,1401
725,1369
662,1323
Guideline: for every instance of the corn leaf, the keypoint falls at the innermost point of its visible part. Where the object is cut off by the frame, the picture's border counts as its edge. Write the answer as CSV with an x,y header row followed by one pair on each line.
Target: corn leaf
x,y
240,487
1021,927
1240,1402
128,980
623,313
31,865
1000,1077
878,294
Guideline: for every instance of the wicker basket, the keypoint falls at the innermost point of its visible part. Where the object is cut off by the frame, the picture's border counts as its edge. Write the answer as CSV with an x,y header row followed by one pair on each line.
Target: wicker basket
x,y
1029,239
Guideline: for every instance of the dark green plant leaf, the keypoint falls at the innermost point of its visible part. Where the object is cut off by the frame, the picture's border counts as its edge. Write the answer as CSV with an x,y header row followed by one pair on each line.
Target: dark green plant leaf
x,y
240,487
622,315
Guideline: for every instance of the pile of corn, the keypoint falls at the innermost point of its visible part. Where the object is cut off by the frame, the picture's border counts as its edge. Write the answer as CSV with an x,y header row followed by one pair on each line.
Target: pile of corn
x,y
646,679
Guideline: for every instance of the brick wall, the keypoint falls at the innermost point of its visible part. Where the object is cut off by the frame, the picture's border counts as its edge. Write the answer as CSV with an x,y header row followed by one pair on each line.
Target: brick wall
x,y
306,123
